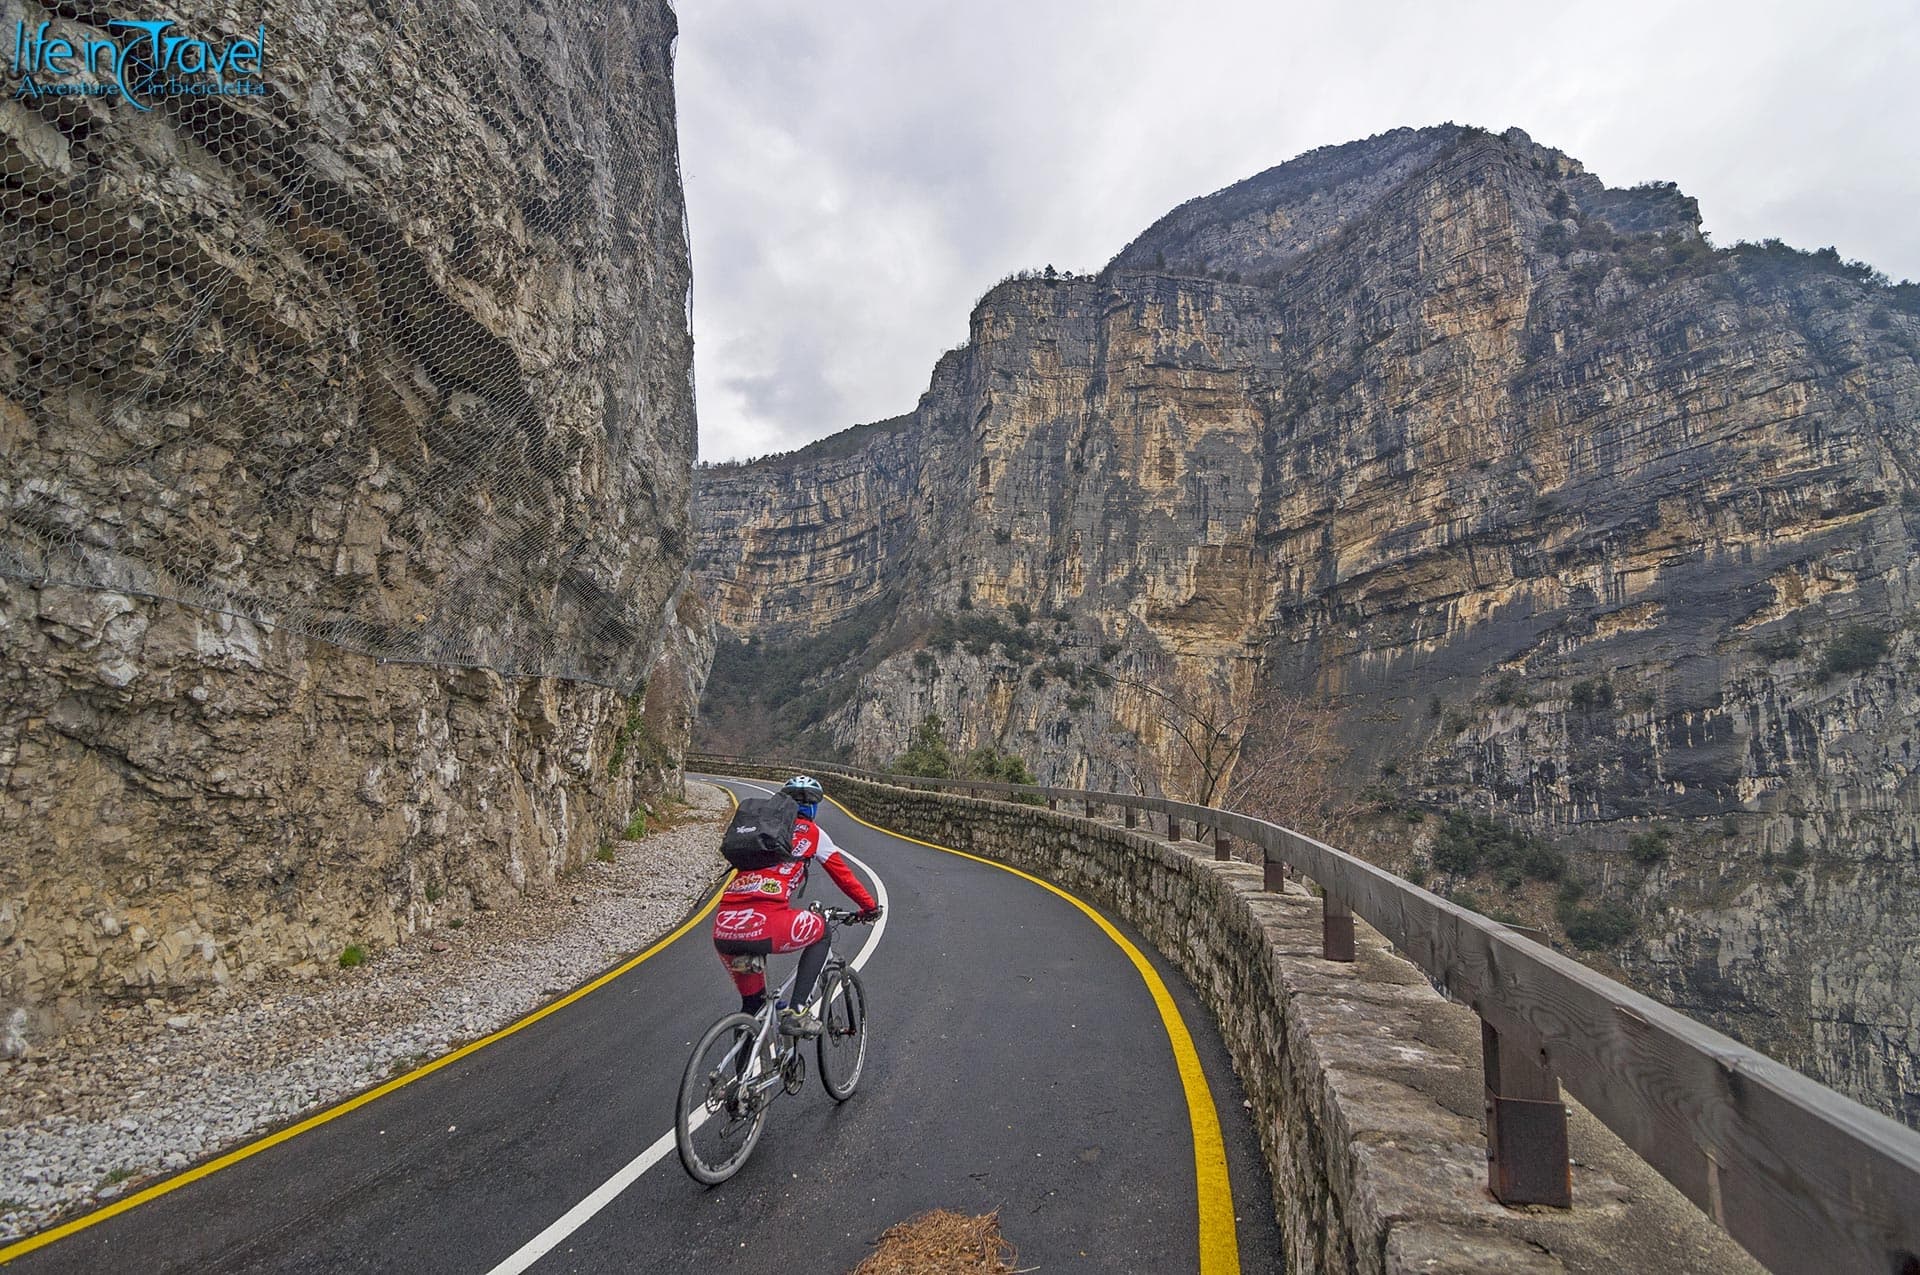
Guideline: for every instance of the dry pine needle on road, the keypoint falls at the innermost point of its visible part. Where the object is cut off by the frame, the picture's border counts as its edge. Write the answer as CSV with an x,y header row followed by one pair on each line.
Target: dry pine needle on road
x,y
941,1243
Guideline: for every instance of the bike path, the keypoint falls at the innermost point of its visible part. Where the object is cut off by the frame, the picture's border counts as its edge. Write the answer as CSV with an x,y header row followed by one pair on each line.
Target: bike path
x,y
1017,1062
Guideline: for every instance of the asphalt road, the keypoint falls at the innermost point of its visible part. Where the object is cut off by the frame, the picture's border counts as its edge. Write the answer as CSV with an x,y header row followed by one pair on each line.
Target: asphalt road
x,y
1017,1062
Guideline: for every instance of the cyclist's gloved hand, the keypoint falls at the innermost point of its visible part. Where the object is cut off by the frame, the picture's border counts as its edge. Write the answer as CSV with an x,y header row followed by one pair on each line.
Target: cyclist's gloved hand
x,y
869,916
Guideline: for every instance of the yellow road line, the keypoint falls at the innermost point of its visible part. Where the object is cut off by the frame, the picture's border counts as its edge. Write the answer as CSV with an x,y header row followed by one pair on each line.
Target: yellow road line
x,y
154,1192
1219,1242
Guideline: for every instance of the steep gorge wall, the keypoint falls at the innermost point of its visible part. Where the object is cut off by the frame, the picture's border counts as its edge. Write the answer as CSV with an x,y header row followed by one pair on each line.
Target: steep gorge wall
x,y
1578,522
346,490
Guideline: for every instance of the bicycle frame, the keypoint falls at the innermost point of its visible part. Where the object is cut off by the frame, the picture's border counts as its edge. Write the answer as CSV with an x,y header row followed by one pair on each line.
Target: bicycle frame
x,y
758,1076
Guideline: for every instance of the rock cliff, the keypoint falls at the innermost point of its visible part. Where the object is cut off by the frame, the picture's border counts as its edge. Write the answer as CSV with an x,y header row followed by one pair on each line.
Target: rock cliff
x,y
348,430
1578,522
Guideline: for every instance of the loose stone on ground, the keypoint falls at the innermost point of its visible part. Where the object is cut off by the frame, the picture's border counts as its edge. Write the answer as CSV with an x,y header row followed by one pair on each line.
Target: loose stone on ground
x,y
133,1094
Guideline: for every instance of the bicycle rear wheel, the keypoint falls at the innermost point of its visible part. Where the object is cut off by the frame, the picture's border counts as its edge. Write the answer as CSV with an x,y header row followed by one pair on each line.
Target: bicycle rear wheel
x,y
718,1119
843,1038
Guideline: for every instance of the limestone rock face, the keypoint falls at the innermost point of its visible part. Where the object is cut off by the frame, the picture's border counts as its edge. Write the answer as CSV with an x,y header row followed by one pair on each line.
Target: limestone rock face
x,y
1581,523
348,431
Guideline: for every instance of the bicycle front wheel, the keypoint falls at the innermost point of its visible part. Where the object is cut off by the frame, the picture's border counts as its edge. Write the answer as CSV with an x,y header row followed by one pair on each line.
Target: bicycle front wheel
x,y
719,1117
843,1037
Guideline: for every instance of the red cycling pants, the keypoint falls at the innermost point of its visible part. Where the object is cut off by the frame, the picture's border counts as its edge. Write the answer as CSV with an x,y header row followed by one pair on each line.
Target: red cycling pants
x,y
759,929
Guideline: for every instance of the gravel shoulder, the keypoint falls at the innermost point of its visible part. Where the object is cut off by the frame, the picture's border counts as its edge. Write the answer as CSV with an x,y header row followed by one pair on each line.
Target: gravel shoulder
x,y
138,1094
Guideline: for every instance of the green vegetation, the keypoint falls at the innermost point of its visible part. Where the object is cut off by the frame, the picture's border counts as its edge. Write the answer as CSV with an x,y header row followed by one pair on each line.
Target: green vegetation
x,y
1510,690
1079,702
848,441
1770,257
1603,925
434,892
1592,695
1590,927
929,757
637,736
116,1176
1650,847
353,955
988,762
925,662
1469,843
927,754
1778,646
605,852
636,827
1858,648
757,685
1022,613
456,923
979,634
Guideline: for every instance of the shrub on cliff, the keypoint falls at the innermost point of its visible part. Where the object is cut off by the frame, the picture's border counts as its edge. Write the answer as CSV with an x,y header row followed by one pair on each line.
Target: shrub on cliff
x,y
927,755
988,762
1603,925
1593,694
979,634
1469,843
1858,648
1649,847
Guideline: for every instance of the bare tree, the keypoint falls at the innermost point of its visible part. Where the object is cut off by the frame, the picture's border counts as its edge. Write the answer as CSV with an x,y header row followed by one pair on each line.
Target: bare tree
x,y
1208,728
1273,755
1289,769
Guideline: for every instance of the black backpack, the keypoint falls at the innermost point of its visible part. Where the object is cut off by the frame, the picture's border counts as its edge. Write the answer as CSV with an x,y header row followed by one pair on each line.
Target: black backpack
x,y
761,832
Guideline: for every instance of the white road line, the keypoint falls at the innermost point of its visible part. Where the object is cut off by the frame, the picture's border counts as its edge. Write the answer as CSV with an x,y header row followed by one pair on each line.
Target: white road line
x,y
604,1194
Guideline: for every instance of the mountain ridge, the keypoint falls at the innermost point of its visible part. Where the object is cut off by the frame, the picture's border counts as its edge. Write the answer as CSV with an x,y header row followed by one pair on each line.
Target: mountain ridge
x,y
1565,514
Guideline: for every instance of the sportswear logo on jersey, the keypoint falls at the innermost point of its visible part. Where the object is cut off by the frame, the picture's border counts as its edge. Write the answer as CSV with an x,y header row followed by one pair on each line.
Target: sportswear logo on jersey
x,y
772,887
733,919
807,927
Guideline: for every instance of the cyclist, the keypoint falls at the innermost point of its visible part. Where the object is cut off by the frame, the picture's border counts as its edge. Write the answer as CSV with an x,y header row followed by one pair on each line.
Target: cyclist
x,y
757,916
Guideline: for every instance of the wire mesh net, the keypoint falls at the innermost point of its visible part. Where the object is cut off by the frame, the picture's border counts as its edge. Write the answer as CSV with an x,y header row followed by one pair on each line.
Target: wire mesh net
x,y
359,318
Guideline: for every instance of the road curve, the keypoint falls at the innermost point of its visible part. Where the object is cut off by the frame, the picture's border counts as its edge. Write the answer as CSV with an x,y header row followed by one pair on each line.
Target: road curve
x,y
1018,1062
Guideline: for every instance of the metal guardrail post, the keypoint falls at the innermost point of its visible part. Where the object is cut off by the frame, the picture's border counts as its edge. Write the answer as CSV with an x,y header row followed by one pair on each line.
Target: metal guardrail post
x,y
1336,929
1526,1126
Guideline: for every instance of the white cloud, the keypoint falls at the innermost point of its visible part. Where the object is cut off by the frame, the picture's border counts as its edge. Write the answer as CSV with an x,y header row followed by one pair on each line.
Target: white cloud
x,y
858,174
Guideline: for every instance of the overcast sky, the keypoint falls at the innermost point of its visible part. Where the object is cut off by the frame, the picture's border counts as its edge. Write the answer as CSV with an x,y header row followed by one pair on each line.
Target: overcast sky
x,y
858,173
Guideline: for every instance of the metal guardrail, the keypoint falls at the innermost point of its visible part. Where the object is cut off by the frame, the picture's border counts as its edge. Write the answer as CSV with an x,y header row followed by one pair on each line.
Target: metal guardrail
x,y
1804,1178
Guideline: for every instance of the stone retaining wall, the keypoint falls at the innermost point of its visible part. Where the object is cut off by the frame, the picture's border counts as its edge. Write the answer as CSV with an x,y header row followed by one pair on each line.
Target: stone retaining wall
x,y
1365,1083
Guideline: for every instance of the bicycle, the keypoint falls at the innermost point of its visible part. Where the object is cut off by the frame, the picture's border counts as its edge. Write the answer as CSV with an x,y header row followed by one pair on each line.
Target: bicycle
x,y
743,1063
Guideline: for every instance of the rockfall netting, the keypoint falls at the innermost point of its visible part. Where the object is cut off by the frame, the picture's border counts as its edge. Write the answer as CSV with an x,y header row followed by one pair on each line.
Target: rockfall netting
x,y
359,318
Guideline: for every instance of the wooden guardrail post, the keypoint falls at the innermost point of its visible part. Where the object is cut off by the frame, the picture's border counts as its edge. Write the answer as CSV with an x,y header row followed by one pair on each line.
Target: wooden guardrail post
x,y
1526,1125
1221,847
1133,817
1274,878
1336,929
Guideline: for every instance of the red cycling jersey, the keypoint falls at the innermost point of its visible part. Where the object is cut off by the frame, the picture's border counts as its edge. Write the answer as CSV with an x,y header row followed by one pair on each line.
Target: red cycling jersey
x,y
774,886
757,917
